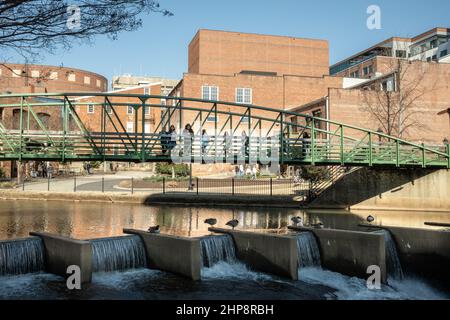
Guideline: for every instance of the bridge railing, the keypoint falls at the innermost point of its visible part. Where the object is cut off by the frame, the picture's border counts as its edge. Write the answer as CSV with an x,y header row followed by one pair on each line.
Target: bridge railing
x,y
92,127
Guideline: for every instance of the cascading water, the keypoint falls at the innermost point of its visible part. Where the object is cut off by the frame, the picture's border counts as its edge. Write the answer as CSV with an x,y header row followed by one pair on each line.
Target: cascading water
x,y
394,267
21,256
216,249
121,253
308,250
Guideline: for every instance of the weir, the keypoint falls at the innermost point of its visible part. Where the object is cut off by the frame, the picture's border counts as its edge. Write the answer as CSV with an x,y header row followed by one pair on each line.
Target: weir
x,y
393,264
308,250
120,253
216,249
21,256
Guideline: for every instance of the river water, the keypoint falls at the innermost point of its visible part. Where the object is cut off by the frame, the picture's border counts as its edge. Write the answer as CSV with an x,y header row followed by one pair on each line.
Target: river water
x,y
235,280
84,220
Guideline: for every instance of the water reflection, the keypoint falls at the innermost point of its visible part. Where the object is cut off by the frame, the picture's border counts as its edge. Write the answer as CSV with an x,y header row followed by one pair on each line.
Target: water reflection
x,y
95,220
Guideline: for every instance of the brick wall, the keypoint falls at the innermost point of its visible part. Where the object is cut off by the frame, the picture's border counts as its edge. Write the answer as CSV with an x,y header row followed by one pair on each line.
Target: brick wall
x,y
227,53
19,78
431,84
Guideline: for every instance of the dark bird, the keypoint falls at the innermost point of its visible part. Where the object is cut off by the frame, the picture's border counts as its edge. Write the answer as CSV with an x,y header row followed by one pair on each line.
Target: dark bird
x,y
318,225
297,221
211,221
154,229
370,219
232,223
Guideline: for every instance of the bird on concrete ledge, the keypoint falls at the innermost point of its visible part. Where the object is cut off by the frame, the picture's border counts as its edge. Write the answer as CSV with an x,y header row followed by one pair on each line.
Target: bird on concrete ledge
x,y
318,225
154,229
232,223
297,221
370,219
211,221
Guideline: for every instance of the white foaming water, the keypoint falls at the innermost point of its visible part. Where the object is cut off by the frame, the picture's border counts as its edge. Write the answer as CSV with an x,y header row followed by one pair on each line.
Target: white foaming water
x,y
236,270
124,279
352,288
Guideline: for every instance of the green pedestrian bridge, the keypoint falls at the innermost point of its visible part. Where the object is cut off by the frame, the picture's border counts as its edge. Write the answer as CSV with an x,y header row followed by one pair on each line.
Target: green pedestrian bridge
x,y
69,127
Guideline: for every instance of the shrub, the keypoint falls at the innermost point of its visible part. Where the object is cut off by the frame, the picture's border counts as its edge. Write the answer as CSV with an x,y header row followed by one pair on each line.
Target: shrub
x,y
181,170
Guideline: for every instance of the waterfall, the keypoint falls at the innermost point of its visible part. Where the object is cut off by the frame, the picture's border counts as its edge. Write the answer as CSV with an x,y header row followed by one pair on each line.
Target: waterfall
x,y
394,267
21,256
121,253
308,250
216,249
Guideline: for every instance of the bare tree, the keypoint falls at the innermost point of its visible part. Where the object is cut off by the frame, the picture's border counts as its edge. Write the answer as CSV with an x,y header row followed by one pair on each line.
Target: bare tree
x,y
395,107
29,27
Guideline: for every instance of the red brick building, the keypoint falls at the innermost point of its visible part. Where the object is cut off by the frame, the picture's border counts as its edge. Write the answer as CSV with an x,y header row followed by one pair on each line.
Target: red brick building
x,y
30,78
272,71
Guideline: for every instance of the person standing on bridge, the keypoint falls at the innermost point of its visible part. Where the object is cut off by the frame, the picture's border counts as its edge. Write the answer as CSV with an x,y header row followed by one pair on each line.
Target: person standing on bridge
x,y
227,140
188,135
164,138
205,141
173,138
245,143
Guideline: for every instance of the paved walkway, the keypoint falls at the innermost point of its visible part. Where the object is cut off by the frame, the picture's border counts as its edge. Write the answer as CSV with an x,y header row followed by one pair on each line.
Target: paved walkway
x,y
85,183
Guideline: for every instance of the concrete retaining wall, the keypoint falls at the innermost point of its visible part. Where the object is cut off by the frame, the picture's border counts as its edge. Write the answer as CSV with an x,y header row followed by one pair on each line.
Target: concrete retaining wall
x,y
389,189
350,252
266,252
174,254
61,252
424,252
221,200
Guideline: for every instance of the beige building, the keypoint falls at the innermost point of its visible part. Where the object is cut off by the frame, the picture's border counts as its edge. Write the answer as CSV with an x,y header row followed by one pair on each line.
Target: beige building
x,y
127,81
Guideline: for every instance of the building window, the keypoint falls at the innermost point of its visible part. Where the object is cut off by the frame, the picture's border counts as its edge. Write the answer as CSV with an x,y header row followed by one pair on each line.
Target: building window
x,y
147,127
87,80
146,111
444,53
434,43
44,118
130,110
72,77
387,85
212,118
210,93
400,53
98,83
147,91
16,73
130,127
108,109
244,95
90,108
54,75
163,102
368,70
35,73
354,74
434,57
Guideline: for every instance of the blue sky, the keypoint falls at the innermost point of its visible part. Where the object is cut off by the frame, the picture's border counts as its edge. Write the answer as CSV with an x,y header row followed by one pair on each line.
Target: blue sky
x,y
160,47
